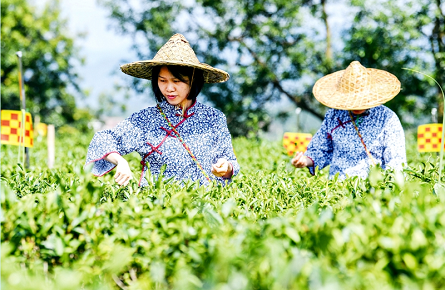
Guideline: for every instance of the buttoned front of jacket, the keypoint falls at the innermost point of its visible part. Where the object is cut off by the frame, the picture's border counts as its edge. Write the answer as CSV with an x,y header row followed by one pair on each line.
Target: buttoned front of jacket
x,y
338,144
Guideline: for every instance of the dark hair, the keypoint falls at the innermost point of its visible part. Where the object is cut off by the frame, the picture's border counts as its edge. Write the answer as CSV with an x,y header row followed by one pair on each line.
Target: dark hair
x,y
179,72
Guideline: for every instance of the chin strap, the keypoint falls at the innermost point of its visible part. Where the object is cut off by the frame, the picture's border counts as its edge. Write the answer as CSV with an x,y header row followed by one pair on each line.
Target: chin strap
x,y
183,143
361,139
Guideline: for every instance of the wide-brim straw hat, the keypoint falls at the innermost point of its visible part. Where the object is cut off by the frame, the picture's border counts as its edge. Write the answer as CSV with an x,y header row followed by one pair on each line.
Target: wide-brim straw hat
x,y
356,88
177,51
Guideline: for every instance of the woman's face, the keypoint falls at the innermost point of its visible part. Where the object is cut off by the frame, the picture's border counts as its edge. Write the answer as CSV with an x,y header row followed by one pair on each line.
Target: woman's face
x,y
174,90
358,112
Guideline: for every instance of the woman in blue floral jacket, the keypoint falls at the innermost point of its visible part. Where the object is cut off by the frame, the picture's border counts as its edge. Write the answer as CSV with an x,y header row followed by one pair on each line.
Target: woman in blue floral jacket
x,y
358,131
190,138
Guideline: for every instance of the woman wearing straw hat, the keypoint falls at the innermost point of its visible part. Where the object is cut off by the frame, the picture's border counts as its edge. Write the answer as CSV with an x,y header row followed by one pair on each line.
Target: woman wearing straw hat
x,y
358,131
190,138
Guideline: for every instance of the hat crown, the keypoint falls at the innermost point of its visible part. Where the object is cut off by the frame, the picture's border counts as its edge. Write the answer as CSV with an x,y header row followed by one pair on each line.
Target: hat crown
x,y
178,50
355,79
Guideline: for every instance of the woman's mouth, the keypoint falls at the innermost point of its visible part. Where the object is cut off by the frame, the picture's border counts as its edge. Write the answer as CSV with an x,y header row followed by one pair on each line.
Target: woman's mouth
x,y
171,97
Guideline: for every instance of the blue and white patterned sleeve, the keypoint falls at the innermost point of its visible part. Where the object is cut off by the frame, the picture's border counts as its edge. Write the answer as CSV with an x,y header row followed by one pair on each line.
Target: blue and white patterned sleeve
x,y
122,139
320,148
394,155
224,147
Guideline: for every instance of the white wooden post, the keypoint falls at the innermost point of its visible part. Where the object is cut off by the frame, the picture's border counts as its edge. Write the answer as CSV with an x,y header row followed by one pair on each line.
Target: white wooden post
x,y
36,125
51,137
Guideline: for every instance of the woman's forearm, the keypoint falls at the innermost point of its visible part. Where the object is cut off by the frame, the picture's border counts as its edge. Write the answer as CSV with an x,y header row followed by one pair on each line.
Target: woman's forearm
x,y
114,158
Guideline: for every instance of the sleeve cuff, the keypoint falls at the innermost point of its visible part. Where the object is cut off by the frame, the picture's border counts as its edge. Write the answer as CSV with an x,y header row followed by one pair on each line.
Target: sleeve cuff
x,y
311,168
102,166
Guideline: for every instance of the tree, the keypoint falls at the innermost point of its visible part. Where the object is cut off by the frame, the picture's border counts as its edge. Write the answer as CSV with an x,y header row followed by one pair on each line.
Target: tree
x,y
393,35
266,47
48,61
279,48
436,37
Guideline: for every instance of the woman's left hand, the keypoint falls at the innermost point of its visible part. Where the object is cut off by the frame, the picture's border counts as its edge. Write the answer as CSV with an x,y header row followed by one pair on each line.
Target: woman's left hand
x,y
222,168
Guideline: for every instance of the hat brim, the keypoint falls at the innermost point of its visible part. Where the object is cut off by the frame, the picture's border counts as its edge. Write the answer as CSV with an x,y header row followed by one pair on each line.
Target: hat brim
x,y
384,87
143,69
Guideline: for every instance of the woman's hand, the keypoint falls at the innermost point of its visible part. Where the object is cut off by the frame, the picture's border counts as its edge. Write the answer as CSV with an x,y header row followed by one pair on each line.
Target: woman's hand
x,y
222,168
300,160
123,172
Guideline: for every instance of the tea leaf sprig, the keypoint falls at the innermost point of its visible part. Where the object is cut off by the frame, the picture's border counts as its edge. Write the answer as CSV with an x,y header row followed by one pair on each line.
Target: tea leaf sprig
x,y
443,122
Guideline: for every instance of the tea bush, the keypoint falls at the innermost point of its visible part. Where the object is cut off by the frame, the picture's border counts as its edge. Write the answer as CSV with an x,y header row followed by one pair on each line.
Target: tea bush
x,y
273,227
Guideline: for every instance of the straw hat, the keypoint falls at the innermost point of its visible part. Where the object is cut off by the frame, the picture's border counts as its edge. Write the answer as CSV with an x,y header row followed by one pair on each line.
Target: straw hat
x,y
356,88
177,51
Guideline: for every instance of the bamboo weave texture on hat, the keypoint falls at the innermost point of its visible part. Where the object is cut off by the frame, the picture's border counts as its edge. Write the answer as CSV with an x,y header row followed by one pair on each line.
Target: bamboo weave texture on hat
x,y
356,88
177,51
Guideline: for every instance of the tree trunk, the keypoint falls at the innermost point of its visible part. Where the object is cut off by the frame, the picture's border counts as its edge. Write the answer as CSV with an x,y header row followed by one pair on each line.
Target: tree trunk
x,y
324,17
277,84
437,42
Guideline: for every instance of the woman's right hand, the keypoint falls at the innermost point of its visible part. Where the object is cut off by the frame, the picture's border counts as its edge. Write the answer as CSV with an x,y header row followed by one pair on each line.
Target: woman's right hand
x,y
123,172
300,160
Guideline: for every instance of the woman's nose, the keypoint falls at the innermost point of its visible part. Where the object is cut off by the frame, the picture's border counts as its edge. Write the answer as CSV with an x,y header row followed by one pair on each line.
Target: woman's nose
x,y
170,87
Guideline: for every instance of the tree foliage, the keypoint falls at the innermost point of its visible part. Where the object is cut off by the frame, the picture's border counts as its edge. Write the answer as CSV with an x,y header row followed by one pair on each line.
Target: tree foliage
x,y
393,35
49,55
262,44
279,48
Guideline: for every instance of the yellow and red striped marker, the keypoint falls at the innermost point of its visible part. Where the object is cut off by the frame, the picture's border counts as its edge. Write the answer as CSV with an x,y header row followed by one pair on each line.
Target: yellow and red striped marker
x,y
294,142
429,137
11,134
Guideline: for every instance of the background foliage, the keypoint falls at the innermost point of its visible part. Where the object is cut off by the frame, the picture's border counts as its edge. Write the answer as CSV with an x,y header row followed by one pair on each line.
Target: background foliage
x,y
275,49
49,56
402,34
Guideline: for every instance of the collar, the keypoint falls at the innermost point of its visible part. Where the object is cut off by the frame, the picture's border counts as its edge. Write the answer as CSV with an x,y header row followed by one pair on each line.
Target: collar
x,y
365,113
174,110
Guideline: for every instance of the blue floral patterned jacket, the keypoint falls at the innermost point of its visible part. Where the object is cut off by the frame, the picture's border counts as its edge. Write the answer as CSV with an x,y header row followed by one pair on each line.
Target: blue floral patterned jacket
x,y
203,129
338,144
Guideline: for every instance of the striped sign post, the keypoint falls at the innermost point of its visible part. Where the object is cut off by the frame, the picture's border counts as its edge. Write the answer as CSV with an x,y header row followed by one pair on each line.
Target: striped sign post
x,y
23,110
11,131
294,142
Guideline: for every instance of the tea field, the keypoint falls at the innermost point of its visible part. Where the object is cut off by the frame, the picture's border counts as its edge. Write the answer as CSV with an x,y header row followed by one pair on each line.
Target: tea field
x,y
273,227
